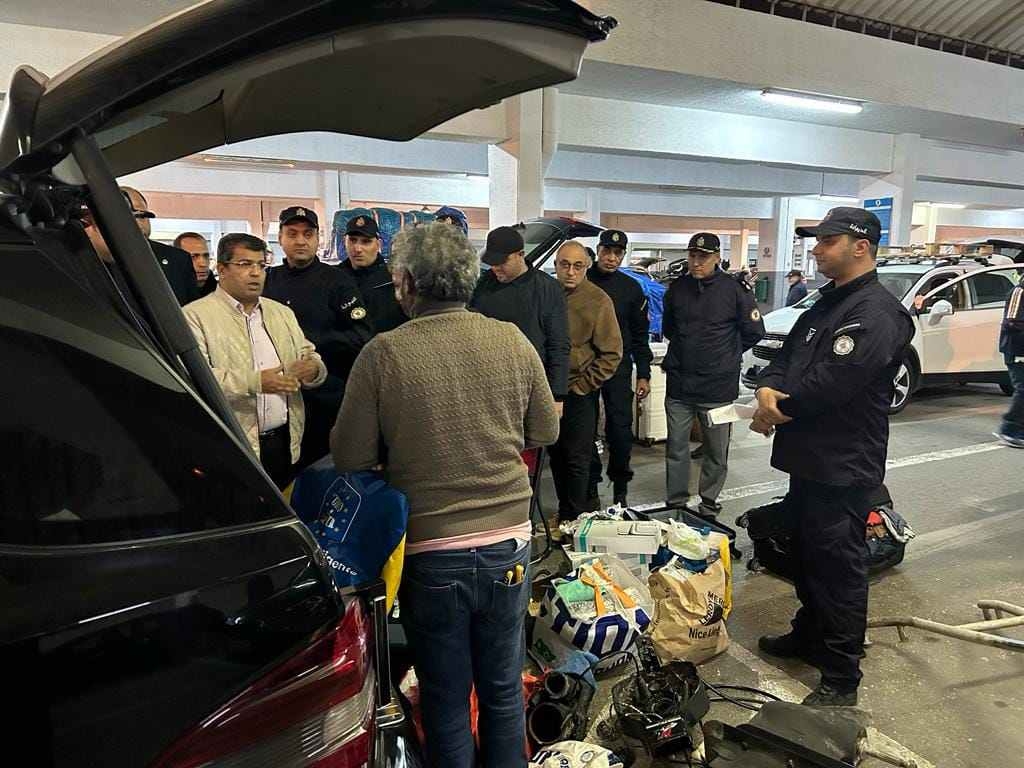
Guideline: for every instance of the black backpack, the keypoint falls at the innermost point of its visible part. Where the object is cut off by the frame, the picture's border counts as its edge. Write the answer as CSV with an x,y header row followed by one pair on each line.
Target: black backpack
x,y
771,528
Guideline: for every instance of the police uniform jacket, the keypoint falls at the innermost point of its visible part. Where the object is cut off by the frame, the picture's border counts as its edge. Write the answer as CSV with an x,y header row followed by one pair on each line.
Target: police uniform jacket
x,y
177,267
535,303
1011,334
378,292
837,365
709,324
330,311
631,311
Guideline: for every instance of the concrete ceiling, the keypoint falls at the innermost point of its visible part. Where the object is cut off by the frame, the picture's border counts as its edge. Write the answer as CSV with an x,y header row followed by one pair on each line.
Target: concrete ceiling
x,y
994,23
110,17
651,86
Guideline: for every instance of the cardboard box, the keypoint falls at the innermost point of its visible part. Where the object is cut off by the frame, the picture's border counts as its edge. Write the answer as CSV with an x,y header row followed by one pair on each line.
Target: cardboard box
x,y
621,537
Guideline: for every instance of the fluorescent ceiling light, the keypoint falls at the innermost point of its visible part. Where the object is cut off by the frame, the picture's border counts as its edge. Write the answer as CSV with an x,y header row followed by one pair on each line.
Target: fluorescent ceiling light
x,y
840,199
954,206
811,101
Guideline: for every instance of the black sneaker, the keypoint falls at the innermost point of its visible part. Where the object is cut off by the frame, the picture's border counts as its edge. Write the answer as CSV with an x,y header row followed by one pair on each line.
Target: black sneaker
x,y
709,509
827,696
786,647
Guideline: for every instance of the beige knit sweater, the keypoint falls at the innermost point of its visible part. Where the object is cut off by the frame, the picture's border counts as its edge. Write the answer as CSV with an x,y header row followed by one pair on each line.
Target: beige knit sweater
x,y
452,397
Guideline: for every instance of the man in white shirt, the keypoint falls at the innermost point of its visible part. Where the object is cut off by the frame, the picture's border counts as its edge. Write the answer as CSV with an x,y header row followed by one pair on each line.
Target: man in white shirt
x,y
258,354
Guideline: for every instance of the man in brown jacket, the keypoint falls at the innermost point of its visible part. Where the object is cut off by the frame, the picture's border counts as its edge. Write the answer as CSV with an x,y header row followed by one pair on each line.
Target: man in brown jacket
x,y
596,350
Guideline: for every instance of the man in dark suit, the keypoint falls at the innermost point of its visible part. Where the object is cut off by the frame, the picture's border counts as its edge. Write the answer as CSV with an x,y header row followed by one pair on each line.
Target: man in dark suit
x,y
175,263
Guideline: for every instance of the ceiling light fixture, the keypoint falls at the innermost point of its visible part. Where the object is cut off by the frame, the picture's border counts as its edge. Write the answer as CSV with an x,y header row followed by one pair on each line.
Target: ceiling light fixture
x,y
811,101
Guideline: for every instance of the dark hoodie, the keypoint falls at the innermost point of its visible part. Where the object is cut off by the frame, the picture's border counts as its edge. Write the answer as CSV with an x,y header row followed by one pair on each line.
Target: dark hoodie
x,y
378,294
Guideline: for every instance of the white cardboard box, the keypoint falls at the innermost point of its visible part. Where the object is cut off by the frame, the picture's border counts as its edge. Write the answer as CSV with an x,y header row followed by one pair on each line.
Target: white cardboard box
x,y
628,537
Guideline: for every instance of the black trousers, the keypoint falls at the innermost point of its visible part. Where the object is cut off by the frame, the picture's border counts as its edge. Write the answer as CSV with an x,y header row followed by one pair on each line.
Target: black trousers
x,y
570,456
321,414
831,577
617,394
276,455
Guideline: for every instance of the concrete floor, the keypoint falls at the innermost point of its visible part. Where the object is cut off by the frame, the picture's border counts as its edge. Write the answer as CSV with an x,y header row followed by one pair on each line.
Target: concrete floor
x,y
955,704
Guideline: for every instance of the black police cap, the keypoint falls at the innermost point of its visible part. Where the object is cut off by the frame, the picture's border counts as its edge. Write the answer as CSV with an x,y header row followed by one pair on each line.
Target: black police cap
x,y
298,213
856,222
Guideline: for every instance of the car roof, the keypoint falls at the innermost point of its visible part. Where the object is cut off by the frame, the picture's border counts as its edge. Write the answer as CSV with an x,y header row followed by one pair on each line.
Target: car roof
x,y
210,75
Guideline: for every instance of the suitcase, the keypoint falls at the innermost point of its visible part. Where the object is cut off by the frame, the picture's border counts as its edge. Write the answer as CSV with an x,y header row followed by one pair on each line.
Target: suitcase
x,y
666,512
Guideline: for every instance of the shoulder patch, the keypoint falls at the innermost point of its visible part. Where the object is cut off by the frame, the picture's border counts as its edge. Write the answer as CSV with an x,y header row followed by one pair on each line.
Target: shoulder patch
x,y
843,346
755,314
358,313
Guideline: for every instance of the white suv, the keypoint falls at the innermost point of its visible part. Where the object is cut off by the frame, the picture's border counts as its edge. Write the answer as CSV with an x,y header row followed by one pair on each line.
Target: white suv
x,y
957,307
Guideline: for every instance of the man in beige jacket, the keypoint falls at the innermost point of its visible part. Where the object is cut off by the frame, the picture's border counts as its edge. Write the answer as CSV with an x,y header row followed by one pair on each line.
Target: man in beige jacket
x,y
594,356
258,354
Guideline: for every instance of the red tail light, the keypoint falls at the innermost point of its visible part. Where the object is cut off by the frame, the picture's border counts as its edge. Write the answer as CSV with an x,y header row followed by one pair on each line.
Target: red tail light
x,y
315,710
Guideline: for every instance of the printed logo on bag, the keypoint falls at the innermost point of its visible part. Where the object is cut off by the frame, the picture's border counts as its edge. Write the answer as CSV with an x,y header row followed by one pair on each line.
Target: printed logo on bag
x,y
755,315
358,313
810,335
844,345
716,609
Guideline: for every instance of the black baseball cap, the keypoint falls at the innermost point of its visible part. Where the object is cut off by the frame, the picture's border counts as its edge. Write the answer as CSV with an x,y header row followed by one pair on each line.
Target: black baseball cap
x,y
846,221
795,273
613,238
362,225
706,242
298,213
502,243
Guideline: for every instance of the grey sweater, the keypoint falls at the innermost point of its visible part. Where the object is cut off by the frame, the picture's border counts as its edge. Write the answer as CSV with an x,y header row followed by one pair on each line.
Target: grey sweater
x,y
453,397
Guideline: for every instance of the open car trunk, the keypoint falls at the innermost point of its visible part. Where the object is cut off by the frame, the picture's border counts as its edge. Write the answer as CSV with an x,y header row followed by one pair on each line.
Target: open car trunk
x,y
229,70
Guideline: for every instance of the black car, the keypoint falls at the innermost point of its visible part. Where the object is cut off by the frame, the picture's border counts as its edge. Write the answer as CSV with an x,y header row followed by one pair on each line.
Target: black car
x,y
161,603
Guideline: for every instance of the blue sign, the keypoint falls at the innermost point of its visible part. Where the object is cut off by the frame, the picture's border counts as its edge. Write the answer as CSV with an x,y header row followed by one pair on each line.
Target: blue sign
x,y
882,208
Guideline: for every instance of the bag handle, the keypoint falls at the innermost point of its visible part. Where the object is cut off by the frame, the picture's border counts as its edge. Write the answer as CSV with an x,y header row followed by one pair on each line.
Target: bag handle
x,y
620,593
598,599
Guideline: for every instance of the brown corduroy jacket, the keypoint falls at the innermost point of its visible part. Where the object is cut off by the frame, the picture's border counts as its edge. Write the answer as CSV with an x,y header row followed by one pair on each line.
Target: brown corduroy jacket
x,y
594,334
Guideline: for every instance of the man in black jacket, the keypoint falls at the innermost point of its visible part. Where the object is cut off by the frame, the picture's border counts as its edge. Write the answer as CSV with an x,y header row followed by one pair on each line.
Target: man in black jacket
x,y
827,393
530,299
195,245
331,313
175,263
634,325
797,287
367,267
1011,344
710,319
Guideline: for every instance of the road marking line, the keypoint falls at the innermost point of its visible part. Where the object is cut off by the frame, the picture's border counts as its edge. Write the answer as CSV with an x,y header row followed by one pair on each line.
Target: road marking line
x,y
772,486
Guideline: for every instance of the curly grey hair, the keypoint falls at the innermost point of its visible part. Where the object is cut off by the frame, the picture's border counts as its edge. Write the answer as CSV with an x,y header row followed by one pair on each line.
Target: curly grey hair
x,y
440,260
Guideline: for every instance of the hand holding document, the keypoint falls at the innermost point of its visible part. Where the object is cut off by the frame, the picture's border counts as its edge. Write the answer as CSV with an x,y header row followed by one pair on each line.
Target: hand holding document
x,y
728,414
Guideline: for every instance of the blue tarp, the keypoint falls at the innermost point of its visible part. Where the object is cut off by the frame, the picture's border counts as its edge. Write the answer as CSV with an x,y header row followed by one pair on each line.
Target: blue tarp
x,y
655,293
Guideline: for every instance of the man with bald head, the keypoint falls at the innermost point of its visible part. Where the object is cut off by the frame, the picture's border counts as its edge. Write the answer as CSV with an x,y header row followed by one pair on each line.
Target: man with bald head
x,y
594,356
175,263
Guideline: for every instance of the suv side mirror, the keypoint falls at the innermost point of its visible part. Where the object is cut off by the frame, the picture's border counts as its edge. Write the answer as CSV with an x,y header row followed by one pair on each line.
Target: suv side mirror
x,y
940,309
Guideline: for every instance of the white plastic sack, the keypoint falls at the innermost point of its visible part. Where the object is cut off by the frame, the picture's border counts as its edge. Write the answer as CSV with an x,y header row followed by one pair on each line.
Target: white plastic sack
x,y
686,542
575,754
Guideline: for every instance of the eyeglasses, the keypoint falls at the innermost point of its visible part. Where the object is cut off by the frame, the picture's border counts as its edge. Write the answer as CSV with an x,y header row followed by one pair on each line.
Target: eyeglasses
x,y
575,266
246,266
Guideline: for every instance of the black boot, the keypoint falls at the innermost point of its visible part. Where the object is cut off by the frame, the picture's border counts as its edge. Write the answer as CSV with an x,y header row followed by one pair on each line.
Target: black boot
x,y
619,493
827,696
787,647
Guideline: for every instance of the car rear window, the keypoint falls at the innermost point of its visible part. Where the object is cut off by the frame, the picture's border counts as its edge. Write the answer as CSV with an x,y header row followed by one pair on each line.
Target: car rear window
x,y
103,442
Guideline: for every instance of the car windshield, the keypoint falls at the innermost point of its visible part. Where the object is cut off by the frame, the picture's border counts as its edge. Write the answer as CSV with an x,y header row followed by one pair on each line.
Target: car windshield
x,y
898,284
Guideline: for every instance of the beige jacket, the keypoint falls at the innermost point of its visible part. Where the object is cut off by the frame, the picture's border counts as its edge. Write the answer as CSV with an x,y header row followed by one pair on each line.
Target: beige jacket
x,y
219,327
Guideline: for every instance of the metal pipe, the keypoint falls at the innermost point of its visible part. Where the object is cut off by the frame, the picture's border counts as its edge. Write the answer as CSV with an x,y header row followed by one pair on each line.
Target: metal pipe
x,y
1000,605
985,626
958,633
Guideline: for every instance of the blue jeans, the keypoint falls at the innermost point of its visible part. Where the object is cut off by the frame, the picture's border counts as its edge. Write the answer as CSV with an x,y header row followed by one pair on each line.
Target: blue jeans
x,y
465,628
1013,420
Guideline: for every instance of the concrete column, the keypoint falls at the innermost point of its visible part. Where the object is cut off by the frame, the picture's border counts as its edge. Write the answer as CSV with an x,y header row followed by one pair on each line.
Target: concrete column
x,y
330,198
516,166
775,245
740,244
592,212
899,185
931,223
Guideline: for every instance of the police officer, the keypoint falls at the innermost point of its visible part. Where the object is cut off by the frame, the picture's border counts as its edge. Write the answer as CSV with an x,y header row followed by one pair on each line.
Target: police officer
x,y
827,394
617,392
366,265
710,319
1011,344
331,313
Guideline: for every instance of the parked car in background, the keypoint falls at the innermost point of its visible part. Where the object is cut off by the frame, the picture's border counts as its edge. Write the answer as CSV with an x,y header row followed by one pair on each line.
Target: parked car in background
x,y
957,306
162,605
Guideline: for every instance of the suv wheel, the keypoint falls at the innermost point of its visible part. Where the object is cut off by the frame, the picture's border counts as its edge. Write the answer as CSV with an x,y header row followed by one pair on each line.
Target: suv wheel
x,y
905,382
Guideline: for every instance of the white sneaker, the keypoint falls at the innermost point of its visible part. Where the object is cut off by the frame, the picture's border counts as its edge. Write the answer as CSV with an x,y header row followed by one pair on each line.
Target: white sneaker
x,y
1013,442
